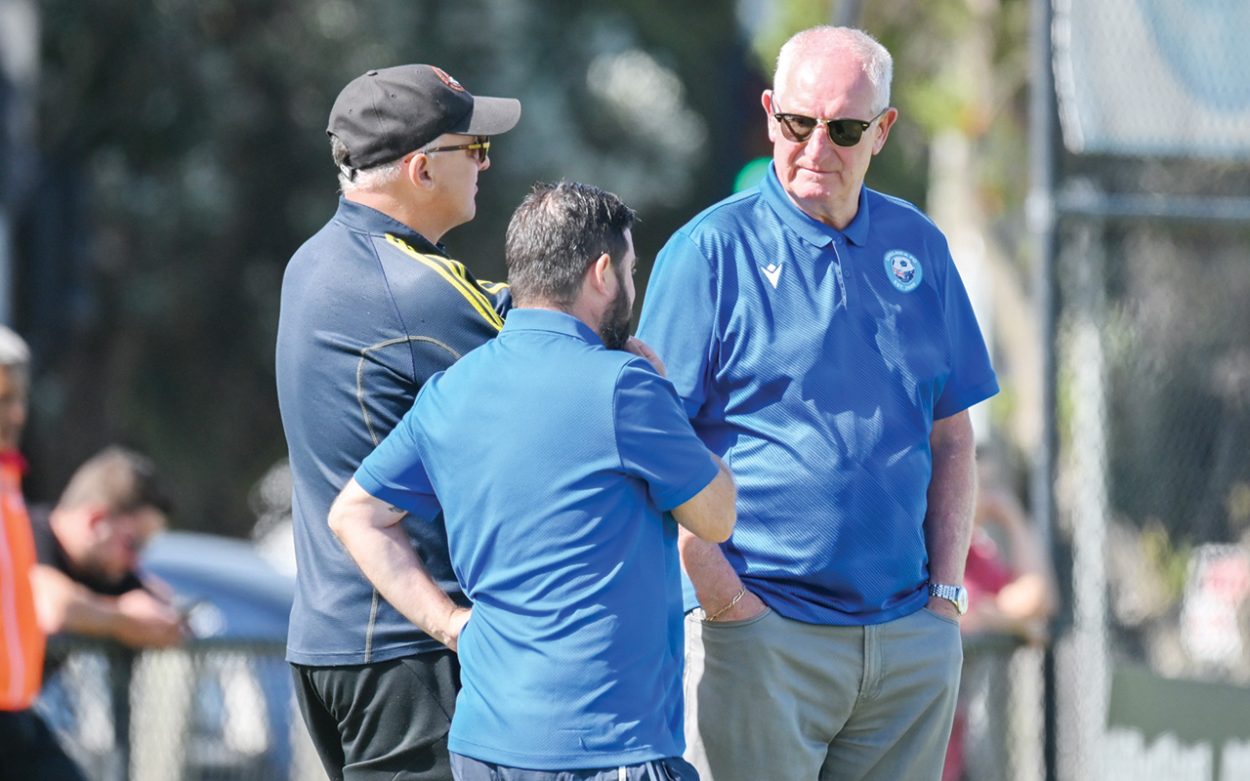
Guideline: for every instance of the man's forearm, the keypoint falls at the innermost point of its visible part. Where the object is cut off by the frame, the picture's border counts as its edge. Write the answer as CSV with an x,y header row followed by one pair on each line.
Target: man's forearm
x,y
720,591
386,557
952,490
136,619
65,606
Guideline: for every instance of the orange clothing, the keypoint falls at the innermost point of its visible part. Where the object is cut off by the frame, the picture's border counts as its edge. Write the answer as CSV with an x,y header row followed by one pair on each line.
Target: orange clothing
x,y
21,641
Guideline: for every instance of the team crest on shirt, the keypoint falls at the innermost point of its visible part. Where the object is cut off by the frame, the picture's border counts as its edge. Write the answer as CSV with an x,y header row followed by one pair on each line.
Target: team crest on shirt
x,y
903,270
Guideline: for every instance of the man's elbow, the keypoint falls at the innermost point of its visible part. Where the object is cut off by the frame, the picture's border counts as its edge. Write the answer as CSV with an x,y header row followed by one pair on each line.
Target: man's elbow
x,y
339,521
337,524
720,531
719,519
52,601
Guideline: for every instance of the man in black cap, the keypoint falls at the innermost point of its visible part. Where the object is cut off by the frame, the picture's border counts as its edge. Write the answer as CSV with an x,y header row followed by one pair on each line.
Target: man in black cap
x,y
371,307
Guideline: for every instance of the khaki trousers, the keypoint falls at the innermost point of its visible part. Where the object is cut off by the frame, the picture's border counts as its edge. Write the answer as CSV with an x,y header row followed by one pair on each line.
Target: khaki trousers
x,y
771,699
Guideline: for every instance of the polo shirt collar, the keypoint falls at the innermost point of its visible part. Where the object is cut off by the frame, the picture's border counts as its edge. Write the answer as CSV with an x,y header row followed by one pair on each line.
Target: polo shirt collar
x,y
812,230
552,321
357,216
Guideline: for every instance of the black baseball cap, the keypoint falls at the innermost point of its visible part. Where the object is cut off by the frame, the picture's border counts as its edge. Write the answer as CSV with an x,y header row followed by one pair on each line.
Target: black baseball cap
x,y
386,113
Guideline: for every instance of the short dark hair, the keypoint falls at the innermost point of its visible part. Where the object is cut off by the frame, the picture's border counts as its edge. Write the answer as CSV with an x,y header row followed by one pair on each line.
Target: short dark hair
x,y
556,233
120,479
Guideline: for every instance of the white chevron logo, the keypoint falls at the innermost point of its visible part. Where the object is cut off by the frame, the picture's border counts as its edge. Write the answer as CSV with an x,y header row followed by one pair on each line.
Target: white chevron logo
x,y
773,272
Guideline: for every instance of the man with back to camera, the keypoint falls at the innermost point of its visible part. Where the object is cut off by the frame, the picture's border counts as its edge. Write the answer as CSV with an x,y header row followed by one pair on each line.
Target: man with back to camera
x,y
88,544
553,452
822,342
372,306
28,748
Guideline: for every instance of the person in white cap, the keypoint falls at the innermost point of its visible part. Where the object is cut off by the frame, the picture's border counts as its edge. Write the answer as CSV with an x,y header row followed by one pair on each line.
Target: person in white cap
x,y
372,306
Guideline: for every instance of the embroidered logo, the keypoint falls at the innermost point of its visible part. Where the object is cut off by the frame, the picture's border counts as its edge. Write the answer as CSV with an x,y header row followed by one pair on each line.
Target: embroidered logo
x,y
773,272
447,79
903,270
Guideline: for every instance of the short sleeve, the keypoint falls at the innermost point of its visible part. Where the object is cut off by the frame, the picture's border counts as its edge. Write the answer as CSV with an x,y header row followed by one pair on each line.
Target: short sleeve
x,y
971,378
394,471
679,317
655,439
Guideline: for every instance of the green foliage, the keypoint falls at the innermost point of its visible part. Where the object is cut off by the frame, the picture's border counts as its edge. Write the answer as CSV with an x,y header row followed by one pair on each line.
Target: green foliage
x,y
185,159
1168,561
193,135
779,22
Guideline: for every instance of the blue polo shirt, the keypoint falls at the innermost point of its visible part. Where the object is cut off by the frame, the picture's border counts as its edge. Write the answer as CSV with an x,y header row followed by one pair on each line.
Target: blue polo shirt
x,y
370,309
553,459
815,361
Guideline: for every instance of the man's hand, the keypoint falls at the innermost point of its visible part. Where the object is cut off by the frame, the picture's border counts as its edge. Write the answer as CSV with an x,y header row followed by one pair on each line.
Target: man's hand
x,y
943,607
643,350
146,622
455,625
748,607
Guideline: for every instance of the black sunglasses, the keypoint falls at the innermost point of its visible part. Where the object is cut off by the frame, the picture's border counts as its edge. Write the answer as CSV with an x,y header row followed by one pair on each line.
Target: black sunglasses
x,y
480,148
843,132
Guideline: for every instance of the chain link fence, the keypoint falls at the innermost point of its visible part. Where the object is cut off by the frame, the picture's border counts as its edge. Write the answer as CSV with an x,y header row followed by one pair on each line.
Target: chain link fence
x,y
209,711
225,711
1152,663
1154,495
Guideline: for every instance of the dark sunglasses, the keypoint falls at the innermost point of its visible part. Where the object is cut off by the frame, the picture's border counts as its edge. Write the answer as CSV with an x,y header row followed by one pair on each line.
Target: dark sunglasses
x,y
480,148
843,132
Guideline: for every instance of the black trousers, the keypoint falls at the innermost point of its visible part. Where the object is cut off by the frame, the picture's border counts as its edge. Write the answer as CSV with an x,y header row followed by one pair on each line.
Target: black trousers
x,y
29,750
381,721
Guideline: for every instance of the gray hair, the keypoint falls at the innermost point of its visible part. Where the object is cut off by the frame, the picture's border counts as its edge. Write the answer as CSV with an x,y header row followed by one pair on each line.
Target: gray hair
x,y
556,233
351,179
826,40
14,352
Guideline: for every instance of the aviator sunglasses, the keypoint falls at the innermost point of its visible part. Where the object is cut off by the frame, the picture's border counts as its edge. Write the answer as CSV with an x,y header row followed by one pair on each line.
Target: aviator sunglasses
x,y
480,148
843,132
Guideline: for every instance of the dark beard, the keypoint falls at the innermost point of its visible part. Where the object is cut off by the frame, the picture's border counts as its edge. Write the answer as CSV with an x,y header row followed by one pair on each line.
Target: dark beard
x,y
614,330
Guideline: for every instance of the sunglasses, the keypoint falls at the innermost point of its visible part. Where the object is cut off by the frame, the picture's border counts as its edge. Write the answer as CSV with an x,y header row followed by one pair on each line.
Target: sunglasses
x,y
843,132
480,148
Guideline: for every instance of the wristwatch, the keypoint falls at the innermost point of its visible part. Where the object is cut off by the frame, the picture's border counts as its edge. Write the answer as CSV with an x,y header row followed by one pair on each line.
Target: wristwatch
x,y
956,595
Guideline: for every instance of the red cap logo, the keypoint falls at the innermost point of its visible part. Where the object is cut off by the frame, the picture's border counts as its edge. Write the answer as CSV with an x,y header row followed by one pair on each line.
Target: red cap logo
x,y
447,79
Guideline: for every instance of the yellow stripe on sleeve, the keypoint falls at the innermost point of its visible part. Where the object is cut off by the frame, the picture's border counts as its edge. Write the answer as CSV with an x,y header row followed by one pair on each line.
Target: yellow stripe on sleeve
x,y
458,268
475,297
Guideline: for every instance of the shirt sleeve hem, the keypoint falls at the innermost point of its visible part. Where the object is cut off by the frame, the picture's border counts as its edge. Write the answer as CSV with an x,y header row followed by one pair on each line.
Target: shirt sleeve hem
x,y
966,399
677,497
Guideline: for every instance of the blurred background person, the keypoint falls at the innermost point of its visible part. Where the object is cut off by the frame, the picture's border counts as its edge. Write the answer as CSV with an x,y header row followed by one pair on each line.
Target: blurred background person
x,y
1010,583
86,581
28,749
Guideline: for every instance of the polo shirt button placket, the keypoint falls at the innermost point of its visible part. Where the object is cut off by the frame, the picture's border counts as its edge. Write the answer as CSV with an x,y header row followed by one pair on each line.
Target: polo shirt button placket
x,y
839,270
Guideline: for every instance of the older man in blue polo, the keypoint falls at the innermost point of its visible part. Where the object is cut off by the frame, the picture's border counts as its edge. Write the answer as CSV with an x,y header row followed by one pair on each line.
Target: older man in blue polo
x,y
822,342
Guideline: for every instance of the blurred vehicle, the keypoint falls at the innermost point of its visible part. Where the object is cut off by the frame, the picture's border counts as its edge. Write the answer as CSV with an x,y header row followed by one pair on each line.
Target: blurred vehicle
x,y
218,707
225,587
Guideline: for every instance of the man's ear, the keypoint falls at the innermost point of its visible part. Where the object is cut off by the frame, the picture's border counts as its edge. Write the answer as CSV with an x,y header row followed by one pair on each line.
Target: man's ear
x,y
885,123
600,273
417,170
94,518
766,100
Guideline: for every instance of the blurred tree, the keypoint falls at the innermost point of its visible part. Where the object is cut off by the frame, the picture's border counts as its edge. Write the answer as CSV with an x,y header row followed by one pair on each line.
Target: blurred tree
x,y
183,159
